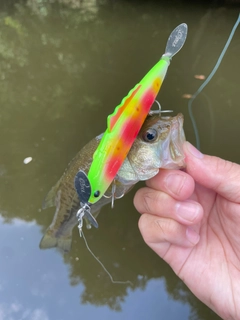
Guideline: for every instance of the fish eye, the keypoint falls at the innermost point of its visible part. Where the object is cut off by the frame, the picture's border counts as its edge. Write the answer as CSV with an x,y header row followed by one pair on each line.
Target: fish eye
x,y
150,135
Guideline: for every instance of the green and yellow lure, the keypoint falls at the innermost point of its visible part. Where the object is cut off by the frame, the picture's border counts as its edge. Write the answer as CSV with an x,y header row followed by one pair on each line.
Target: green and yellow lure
x,y
125,122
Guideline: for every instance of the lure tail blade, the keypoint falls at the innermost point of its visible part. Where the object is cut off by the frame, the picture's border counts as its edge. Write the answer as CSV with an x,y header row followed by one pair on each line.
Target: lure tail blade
x,y
176,40
82,186
90,218
83,189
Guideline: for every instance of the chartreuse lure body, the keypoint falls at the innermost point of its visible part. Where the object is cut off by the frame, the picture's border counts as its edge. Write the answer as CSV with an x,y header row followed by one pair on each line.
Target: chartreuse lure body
x,y
123,126
125,122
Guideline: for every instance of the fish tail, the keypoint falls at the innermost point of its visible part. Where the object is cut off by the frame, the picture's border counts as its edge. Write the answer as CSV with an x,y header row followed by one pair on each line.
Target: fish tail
x,y
50,240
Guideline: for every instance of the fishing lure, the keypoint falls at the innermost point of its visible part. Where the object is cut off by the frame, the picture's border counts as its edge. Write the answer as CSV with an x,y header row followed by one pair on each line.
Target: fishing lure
x,y
123,126
125,122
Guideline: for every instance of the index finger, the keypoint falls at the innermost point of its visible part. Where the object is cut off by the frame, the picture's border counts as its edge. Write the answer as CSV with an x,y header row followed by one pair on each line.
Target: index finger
x,y
176,183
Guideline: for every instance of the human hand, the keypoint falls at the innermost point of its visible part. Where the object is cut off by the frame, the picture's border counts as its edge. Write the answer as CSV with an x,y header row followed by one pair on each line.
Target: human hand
x,y
192,220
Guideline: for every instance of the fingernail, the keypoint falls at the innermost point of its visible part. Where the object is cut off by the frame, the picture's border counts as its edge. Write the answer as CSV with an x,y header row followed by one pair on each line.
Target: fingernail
x,y
187,210
174,183
195,152
192,236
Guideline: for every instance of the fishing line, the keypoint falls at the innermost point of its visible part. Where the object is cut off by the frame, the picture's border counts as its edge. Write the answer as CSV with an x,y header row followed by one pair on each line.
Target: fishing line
x,y
207,81
102,265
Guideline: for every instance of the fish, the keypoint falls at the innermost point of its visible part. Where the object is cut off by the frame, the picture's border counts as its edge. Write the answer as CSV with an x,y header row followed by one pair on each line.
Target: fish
x,y
158,145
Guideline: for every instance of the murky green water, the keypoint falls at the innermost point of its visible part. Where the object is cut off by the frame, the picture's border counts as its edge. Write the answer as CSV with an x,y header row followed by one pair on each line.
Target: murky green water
x,y
63,68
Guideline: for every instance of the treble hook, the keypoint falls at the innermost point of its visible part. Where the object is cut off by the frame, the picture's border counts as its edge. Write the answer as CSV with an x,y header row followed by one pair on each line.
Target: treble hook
x,y
159,111
113,194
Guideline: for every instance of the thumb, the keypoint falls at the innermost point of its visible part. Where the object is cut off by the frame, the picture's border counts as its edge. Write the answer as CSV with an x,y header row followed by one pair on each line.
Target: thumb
x,y
214,173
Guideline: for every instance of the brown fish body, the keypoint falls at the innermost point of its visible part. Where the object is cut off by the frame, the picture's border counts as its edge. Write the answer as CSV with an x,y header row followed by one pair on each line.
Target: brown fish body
x,y
158,145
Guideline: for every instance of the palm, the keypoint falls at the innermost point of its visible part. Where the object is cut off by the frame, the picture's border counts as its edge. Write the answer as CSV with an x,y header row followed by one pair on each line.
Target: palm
x,y
214,262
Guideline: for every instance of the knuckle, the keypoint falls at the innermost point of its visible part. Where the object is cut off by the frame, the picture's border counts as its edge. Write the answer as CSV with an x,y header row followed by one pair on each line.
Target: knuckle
x,y
224,166
151,201
161,225
165,226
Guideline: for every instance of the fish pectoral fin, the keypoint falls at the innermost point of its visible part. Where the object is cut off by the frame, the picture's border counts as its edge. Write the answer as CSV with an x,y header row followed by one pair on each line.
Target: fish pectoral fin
x,y
49,240
50,200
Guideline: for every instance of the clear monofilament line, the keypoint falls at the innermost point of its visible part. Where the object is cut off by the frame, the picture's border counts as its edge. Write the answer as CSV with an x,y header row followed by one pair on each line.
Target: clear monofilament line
x,y
102,265
207,81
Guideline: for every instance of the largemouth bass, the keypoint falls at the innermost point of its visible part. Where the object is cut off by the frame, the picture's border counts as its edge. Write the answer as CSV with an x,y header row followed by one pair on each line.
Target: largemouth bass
x,y
158,145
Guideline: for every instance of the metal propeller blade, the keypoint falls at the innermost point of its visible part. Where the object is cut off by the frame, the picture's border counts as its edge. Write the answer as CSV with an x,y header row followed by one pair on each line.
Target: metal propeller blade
x,y
176,40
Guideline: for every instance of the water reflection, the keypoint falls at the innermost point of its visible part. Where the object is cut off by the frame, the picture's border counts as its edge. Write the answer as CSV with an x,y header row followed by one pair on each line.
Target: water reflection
x,y
63,68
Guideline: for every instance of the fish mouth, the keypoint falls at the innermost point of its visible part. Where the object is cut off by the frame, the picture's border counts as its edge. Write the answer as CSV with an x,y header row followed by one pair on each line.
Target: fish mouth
x,y
174,157
177,155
